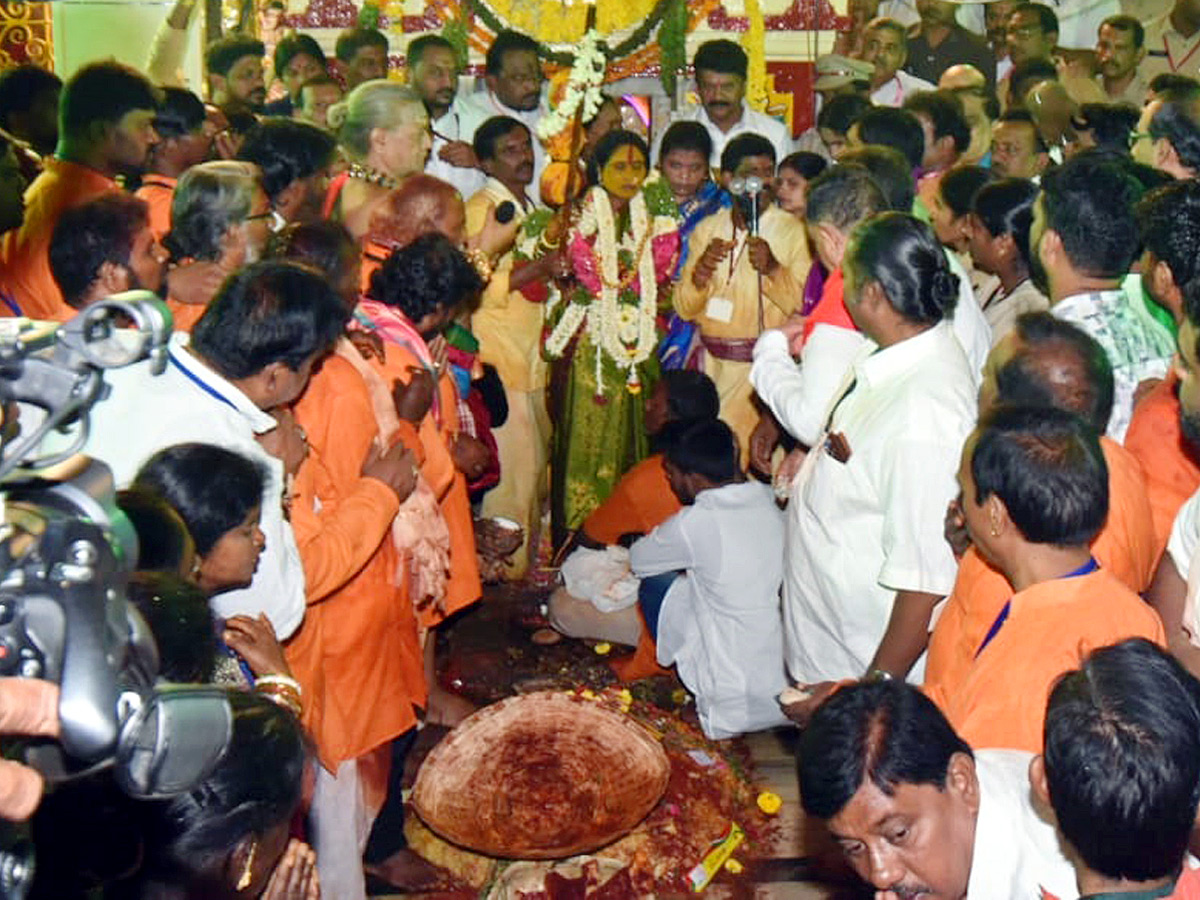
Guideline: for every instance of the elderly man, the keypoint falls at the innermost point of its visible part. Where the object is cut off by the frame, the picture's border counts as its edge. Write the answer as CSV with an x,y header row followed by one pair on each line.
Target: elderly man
x,y
1168,133
885,45
720,68
433,73
106,129
916,811
220,215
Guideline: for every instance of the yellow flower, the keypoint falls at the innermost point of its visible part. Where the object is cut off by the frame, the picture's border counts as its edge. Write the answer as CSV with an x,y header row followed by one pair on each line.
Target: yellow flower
x,y
603,648
733,866
769,803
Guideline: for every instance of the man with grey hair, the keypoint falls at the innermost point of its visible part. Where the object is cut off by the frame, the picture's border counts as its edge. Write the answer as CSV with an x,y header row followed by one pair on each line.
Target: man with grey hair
x,y
885,45
220,214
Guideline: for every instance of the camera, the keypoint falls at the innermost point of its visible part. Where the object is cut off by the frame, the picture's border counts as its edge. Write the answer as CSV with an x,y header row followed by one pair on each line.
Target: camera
x,y
66,552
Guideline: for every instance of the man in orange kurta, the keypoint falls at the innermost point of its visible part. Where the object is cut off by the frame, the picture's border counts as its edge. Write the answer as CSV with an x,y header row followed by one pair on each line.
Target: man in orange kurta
x,y
1044,361
106,112
1063,603
358,653
1171,470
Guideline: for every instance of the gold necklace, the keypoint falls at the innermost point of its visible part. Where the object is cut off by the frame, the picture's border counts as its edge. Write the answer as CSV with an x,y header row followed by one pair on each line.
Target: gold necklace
x,y
371,176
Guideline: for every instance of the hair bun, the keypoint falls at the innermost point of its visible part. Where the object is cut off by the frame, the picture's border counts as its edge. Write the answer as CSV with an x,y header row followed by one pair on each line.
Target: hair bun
x,y
336,115
943,288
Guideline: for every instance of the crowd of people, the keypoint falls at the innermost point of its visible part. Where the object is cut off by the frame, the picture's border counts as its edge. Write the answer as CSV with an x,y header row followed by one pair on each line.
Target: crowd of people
x,y
891,431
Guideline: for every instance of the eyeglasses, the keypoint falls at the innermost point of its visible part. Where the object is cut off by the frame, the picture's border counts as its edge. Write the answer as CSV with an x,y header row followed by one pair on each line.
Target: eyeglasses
x,y
259,216
1135,136
1025,31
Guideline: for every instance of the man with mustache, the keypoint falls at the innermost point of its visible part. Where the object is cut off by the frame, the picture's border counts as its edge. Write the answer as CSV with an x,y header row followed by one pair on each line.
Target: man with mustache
x,y
1120,49
508,324
235,71
513,81
917,812
433,73
721,83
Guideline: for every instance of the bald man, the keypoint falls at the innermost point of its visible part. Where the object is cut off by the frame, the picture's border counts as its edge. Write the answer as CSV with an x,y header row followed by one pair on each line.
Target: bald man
x,y
979,106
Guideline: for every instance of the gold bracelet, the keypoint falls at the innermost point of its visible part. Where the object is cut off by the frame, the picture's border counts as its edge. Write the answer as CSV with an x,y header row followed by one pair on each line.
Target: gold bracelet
x,y
480,261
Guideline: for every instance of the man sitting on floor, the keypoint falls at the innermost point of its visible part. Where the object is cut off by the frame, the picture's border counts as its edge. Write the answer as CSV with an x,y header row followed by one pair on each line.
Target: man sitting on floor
x,y
711,576
915,811
641,501
1120,767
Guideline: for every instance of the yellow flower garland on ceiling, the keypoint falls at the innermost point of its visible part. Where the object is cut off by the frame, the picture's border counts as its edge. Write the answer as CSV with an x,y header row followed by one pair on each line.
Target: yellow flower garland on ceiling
x,y
753,42
554,22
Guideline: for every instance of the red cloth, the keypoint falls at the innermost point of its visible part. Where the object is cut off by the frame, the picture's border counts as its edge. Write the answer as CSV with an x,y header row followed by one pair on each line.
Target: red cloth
x,y
831,308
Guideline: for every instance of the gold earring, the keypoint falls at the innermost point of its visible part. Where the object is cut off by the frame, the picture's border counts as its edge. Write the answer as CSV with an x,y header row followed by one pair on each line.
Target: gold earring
x,y
247,870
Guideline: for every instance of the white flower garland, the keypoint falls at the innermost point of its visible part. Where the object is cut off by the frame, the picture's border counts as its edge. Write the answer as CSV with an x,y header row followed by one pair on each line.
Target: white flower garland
x,y
625,332
583,87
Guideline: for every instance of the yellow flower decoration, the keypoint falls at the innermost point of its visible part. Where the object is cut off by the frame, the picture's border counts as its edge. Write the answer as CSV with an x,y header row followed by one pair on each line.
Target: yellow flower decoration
x,y
753,41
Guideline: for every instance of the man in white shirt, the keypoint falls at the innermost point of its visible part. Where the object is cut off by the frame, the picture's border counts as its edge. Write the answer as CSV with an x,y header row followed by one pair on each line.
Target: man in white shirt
x,y
720,68
865,561
251,352
885,45
710,593
916,811
1083,239
433,74
513,87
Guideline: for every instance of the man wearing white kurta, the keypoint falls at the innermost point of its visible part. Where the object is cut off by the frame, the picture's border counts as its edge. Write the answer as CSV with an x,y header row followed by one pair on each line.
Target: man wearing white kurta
x,y
721,83
865,558
433,74
513,87
719,621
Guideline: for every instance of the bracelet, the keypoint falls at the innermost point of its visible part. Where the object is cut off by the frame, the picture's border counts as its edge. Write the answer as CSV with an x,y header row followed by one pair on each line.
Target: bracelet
x,y
287,700
282,680
480,261
877,675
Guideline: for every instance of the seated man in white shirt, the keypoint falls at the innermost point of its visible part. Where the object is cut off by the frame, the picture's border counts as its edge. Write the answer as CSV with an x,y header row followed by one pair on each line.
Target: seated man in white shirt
x,y
710,584
915,811
250,353
1120,766
720,68
885,45
1083,239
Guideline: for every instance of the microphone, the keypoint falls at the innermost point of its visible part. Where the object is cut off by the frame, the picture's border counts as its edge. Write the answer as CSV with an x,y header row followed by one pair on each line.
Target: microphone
x,y
753,187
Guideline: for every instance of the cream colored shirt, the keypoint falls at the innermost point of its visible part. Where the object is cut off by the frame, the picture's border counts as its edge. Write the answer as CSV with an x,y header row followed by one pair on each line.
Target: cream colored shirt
x,y
727,307
508,327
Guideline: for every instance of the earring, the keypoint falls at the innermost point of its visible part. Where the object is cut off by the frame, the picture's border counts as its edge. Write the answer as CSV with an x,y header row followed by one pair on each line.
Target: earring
x,y
247,870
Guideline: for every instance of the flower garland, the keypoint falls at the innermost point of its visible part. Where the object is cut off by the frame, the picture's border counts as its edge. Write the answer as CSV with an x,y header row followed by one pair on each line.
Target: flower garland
x,y
619,311
753,43
583,89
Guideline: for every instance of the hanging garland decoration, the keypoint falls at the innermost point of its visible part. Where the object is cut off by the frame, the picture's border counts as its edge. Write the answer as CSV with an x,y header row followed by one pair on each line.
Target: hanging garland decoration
x,y
753,42
632,41
672,43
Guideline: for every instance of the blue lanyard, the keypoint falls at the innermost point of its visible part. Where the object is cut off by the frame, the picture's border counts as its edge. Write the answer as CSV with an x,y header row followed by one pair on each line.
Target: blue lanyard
x,y
1090,566
190,376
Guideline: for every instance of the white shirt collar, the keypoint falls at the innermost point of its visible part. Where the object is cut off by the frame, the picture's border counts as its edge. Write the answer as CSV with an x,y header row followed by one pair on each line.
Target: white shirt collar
x,y
205,379
884,365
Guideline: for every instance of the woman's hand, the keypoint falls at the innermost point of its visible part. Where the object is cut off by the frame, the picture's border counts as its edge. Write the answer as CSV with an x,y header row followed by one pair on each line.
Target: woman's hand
x,y
253,639
413,400
295,875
